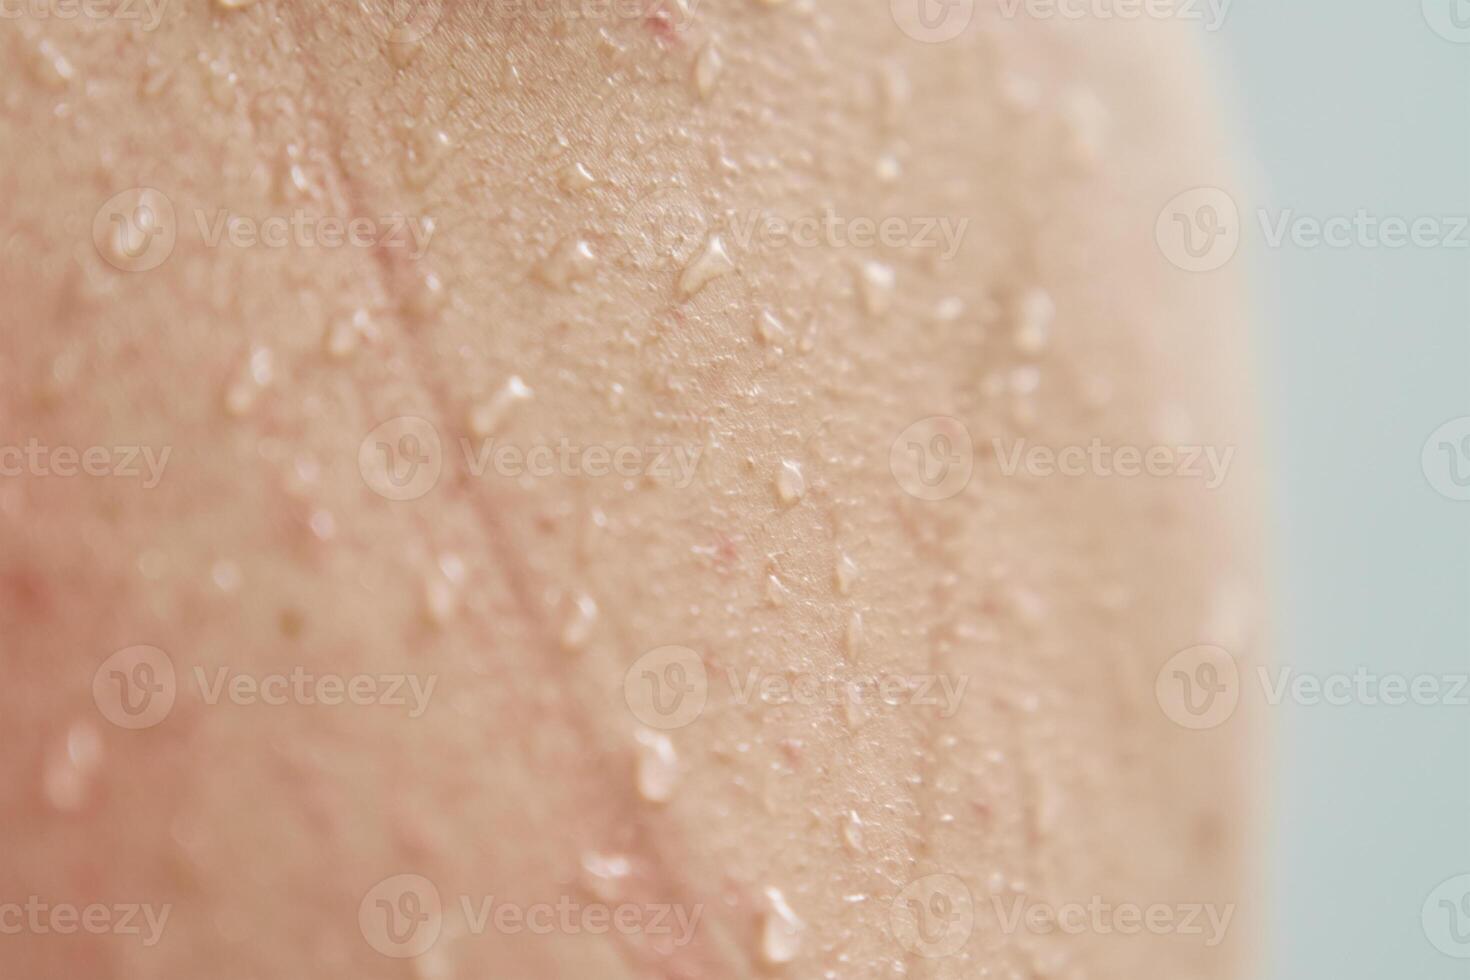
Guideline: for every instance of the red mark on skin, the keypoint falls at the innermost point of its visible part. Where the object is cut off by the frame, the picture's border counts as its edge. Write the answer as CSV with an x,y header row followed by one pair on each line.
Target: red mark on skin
x,y
24,590
724,552
662,23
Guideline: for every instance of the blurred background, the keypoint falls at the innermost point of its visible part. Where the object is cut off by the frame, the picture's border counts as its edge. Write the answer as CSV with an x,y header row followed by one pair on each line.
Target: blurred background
x,y
1365,352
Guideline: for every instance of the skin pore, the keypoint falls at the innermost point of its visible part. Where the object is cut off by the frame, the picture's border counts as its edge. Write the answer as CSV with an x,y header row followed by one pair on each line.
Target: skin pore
x,y
662,236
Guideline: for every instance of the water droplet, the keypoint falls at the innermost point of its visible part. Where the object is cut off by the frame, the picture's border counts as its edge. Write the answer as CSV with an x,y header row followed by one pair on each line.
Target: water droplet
x,y
424,153
658,766
570,261
578,630
707,67
1087,123
259,371
605,874
323,524
1034,315
894,91
770,329
776,593
453,567
574,177
426,297
487,417
346,334
852,832
68,774
52,67
781,932
403,43
949,309
790,483
888,168
1024,380
1020,94
293,184
157,73
234,4
441,599
853,637
878,281
711,263
844,573
221,84
226,575
1029,606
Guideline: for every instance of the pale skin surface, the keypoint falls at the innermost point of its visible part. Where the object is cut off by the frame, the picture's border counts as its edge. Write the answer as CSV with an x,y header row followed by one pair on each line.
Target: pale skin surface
x,y
1057,777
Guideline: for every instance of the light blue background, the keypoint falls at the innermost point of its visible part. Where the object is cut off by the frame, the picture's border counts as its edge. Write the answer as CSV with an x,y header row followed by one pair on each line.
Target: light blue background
x,y
1349,104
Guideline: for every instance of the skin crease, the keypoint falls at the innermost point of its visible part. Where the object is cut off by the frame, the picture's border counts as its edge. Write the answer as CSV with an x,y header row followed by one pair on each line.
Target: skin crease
x,y
1057,599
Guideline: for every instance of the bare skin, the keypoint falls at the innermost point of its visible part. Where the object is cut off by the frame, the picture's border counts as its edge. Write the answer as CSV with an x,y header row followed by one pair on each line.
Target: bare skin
x,y
1052,779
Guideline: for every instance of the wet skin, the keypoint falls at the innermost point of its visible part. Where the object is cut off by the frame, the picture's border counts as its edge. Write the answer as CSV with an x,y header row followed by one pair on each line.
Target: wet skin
x,y
594,232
